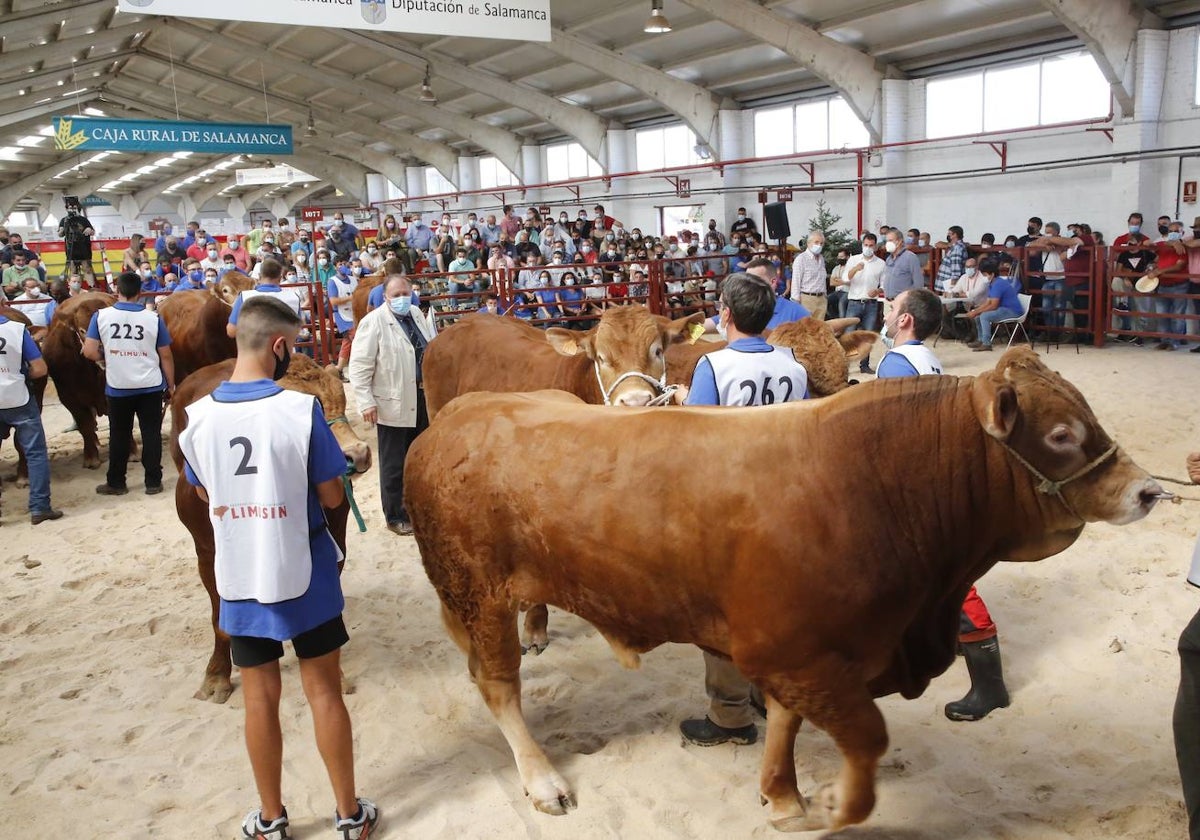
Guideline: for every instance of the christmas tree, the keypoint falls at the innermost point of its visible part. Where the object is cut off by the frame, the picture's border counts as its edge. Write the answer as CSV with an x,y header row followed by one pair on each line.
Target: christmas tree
x,y
836,239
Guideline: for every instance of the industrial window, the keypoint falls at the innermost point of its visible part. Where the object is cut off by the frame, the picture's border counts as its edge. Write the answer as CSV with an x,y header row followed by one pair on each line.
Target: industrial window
x,y
435,184
569,160
1050,90
672,145
493,173
1198,69
808,127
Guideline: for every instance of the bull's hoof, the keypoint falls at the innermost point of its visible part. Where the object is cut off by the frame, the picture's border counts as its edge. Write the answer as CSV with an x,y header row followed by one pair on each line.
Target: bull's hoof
x,y
805,815
551,795
215,689
22,482
91,462
535,648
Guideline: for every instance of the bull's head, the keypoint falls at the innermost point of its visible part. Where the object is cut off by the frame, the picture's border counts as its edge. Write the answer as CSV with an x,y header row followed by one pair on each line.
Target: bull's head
x,y
230,285
1049,429
628,350
306,376
825,348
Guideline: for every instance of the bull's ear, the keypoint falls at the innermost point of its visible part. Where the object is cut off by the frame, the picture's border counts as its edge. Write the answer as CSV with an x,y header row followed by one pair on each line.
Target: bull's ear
x,y
996,406
680,329
858,344
570,342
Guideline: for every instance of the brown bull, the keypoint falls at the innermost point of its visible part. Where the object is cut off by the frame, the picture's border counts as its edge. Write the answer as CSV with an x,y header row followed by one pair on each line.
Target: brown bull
x,y
305,376
78,381
196,321
823,612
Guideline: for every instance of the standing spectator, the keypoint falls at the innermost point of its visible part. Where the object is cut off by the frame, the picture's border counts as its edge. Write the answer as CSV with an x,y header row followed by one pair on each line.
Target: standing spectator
x,y
903,269
268,284
1135,256
135,254
743,223
952,261
864,278
510,223
385,373
76,232
808,286
1078,278
1002,302
285,237
19,412
1171,267
490,231
136,347
1053,247
837,281
255,237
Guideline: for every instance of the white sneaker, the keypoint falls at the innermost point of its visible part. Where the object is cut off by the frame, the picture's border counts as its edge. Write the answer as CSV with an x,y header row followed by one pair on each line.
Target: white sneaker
x,y
254,828
361,827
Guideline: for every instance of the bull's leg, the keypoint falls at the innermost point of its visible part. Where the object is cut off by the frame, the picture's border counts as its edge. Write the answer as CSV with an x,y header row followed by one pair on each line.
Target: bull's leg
x,y
497,651
85,421
777,782
537,633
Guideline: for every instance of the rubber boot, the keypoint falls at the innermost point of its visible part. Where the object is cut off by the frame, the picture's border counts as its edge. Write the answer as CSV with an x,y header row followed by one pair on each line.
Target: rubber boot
x,y
987,682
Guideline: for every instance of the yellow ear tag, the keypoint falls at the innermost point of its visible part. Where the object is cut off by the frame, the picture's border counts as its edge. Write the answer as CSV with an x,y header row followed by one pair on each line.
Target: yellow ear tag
x,y
694,333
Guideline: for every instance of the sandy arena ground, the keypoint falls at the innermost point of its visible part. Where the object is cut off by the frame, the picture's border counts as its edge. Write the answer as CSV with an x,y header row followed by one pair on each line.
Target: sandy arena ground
x,y
104,635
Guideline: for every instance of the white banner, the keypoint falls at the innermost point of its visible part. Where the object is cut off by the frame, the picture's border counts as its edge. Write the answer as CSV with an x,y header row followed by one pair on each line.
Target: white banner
x,y
273,175
518,20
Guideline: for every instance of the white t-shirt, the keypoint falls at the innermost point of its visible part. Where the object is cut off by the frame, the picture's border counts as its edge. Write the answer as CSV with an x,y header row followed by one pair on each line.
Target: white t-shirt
x,y
868,278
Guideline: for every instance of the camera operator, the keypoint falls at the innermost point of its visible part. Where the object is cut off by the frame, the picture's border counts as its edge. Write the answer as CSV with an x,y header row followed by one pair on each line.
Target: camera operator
x,y
76,232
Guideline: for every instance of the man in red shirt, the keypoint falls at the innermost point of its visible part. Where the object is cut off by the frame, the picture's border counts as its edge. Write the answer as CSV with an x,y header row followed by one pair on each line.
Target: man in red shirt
x,y
1171,270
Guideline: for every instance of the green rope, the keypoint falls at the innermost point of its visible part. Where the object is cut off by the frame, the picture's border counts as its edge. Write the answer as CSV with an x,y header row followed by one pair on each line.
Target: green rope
x,y
349,487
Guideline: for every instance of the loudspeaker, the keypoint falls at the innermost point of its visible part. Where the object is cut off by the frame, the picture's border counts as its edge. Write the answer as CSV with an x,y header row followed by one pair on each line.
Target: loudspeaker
x,y
776,218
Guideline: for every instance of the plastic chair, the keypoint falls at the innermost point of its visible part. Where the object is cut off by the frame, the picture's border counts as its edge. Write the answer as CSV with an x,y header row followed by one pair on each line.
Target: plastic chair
x,y
1014,324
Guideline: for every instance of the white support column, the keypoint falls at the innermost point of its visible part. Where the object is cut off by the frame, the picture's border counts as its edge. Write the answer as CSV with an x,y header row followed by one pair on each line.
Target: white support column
x,y
531,162
1138,181
888,204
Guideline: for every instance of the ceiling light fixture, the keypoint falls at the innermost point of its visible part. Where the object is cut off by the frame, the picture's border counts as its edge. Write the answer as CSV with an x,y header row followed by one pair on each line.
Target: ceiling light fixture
x,y
310,130
658,23
427,94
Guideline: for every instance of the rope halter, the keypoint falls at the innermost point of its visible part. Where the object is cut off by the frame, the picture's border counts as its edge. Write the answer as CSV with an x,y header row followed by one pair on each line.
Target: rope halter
x,y
1051,487
663,391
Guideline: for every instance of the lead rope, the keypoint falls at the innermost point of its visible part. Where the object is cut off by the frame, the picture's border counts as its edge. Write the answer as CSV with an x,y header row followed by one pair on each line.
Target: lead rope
x,y
1177,498
665,392
347,485
1049,487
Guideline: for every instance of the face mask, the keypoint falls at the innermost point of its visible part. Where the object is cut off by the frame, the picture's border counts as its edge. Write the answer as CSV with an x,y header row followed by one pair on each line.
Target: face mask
x,y
34,292
1012,243
842,260
195,275
890,247
569,281
558,260
741,217
400,305
1033,229
75,287
587,249
1174,236
722,330
815,249
1162,229
562,220
356,271
229,266
1135,228
970,271
212,255
923,243
322,262
302,257
281,365
888,341
372,250
391,225
908,240
210,278
868,253
290,278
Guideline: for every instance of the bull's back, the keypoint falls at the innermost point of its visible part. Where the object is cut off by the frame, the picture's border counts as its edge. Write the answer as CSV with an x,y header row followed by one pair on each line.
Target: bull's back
x,y
489,353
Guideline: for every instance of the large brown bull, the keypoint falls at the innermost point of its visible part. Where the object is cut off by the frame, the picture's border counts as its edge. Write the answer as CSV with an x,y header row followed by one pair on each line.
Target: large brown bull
x,y
824,607
196,321
78,381
305,376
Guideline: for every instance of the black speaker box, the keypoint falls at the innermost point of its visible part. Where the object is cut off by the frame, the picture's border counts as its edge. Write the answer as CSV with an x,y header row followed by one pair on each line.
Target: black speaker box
x,y
776,218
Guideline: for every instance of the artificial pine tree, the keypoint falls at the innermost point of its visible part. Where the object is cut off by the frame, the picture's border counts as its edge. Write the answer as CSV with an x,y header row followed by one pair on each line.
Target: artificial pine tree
x,y
835,239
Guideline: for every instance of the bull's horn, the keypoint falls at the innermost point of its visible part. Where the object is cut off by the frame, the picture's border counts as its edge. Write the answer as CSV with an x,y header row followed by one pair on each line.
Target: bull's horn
x,y
840,325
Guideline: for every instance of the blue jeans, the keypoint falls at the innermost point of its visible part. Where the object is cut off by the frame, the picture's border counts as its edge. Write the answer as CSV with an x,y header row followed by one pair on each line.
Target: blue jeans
x,y
456,288
31,437
988,319
1172,306
1055,304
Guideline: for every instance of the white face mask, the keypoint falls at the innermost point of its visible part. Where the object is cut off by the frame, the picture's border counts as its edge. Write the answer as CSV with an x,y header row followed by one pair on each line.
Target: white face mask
x,y
322,261
922,243
816,249
970,271
722,330
888,341
890,247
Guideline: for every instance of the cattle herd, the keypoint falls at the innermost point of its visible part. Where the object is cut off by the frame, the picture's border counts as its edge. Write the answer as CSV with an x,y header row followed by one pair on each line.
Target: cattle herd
x,y
823,614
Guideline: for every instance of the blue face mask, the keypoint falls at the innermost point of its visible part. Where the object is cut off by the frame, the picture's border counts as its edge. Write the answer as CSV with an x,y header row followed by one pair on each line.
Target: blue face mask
x,y
908,240
198,276
400,305
1174,236
1135,228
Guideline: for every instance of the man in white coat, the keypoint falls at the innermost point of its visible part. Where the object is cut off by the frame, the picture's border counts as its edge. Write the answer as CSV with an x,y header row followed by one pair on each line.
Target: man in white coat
x,y
385,374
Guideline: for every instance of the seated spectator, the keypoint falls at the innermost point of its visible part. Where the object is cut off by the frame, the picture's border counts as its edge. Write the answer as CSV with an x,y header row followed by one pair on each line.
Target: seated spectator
x,y
1001,303
524,304
491,305
34,300
570,296
547,296
461,271
171,255
18,273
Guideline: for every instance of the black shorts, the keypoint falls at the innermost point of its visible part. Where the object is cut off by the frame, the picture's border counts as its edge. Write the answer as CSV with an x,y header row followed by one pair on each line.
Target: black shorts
x,y
251,651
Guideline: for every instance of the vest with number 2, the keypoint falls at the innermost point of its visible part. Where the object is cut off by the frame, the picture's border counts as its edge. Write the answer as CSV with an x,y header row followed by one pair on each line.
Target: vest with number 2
x,y
920,357
758,378
252,458
13,391
130,342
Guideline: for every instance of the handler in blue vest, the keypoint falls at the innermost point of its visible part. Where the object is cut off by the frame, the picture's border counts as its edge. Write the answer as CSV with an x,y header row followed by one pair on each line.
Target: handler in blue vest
x,y
916,314
135,346
747,372
266,463
20,358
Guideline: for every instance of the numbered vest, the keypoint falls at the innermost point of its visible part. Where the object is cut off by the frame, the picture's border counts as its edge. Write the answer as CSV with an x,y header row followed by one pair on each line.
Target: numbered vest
x,y
758,378
252,458
920,357
344,289
13,391
288,296
130,341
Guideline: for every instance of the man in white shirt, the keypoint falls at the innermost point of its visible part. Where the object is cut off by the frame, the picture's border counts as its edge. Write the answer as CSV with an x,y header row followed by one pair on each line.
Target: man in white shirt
x,y
864,278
